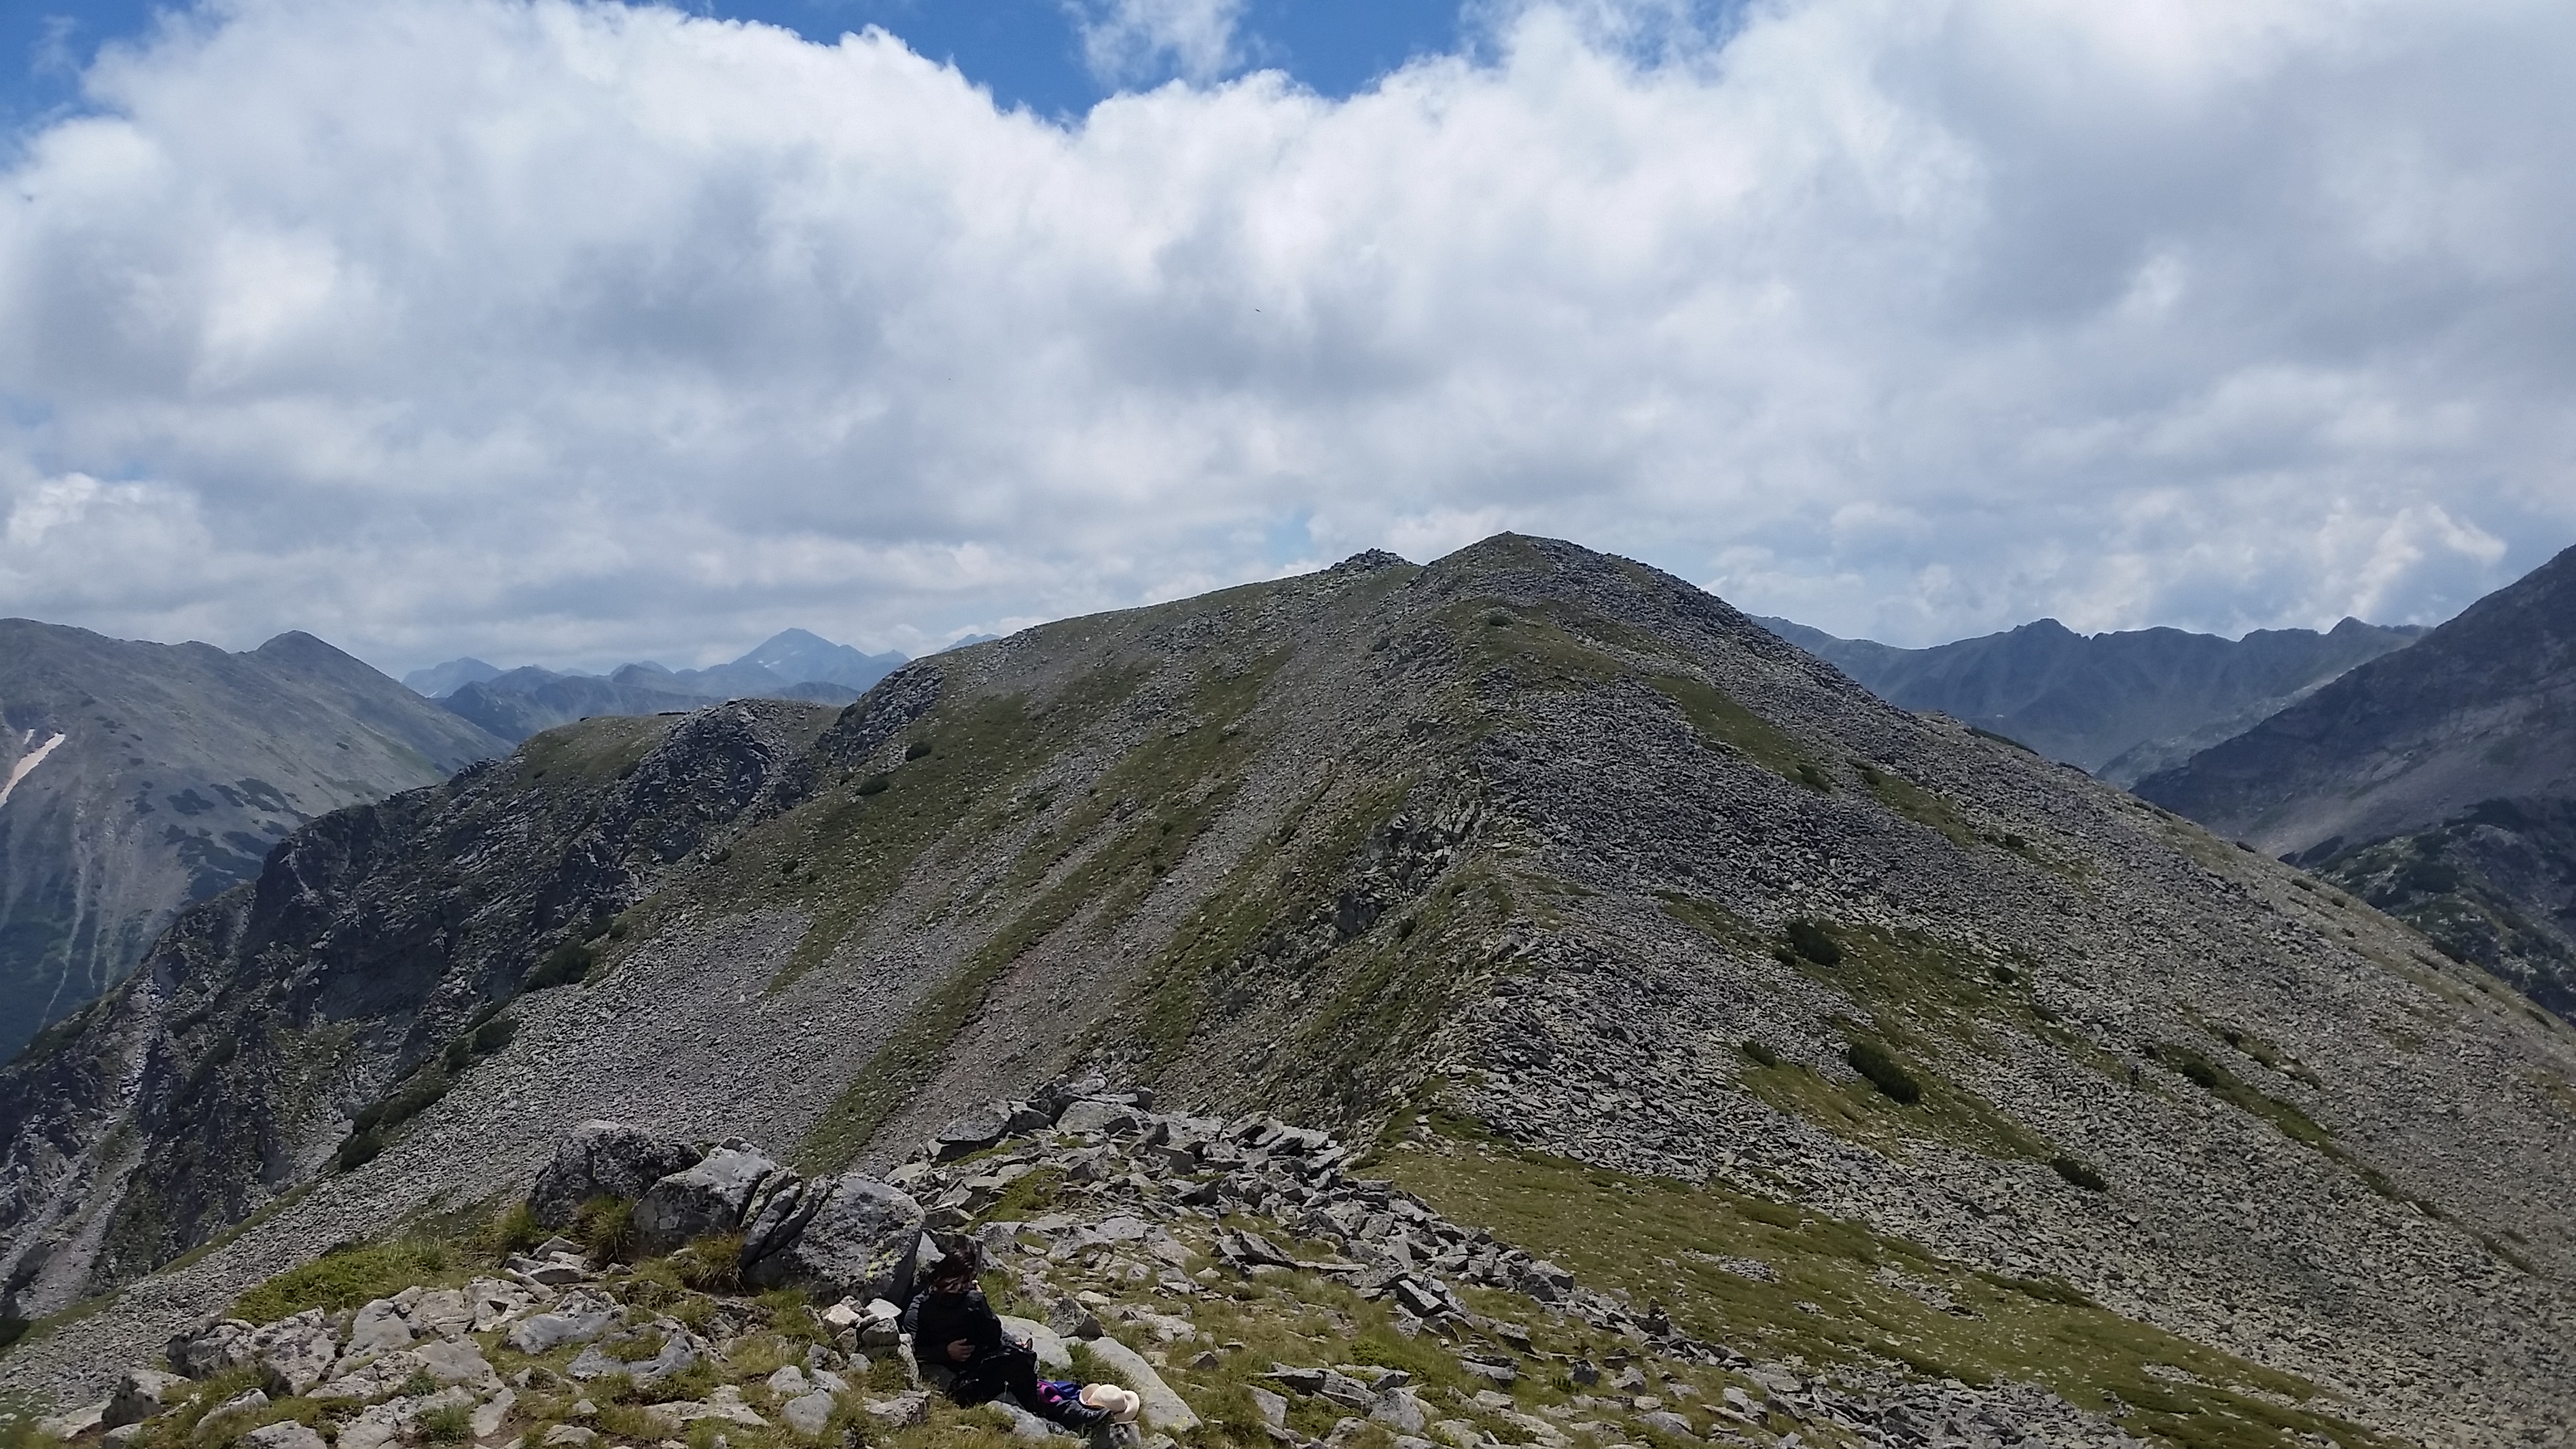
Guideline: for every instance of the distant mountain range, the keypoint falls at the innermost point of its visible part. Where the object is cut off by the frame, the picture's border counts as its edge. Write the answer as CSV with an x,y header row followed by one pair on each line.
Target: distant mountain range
x,y
517,703
137,778
2439,783
2120,705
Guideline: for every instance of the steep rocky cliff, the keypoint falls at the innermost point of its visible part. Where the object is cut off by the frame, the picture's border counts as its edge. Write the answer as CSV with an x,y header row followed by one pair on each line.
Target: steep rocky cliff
x,y
1628,915
135,778
2439,783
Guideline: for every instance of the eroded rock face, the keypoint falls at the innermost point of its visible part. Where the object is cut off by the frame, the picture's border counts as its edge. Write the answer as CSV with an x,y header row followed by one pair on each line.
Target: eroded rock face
x,y
706,1197
858,1243
605,1159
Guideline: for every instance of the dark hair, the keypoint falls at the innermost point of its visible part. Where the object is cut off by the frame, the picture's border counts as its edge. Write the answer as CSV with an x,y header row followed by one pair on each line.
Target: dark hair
x,y
961,1263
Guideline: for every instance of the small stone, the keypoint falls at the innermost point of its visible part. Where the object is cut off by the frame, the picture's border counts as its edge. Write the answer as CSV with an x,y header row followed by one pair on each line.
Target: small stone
x,y
807,1414
285,1434
788,1382
379,1327
903,1411
568,1436
494,1412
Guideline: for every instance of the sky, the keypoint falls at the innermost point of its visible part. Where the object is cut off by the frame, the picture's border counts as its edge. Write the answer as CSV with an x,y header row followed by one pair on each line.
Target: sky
x,y
573,333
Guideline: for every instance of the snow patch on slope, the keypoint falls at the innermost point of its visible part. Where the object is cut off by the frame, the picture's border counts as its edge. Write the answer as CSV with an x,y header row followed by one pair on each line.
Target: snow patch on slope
x,y
27,764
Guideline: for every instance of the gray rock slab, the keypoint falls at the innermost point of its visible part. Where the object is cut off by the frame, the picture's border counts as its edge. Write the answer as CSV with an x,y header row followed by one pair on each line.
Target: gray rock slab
x,y
1164,1409
577,1317
285,1435
1052,1351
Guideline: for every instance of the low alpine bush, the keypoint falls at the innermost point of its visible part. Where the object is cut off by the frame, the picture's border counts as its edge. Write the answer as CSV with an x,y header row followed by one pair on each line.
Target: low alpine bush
x,y
1884,1072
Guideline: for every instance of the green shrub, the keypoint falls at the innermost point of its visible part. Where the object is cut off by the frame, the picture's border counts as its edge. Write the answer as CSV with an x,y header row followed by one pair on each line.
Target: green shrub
x,y
875,784
1760,1055
918,749
2077,1173
357,1150
566,965
2005,975
1884,1072
1809,940
606,1227
1815,779
495,1034
12,1328
453,1424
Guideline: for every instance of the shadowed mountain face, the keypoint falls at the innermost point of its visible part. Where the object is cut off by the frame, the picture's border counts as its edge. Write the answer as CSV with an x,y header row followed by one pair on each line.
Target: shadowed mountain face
x,y
517,703
2120,706
1530,846
140,777
2438,782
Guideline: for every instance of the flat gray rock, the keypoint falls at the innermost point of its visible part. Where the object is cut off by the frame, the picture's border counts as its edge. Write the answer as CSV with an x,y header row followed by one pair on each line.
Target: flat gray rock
x,y
1164,1409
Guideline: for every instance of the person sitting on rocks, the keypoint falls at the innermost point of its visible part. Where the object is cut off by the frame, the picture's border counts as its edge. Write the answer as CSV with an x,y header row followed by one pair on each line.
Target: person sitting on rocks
x,y
953,1329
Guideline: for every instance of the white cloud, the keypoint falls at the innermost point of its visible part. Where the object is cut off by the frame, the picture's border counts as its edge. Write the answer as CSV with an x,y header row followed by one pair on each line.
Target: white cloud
x,y
568,332
1125,41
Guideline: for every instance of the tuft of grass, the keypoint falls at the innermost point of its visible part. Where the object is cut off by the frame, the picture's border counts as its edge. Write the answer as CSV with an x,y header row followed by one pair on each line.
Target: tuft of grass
x,y
566,965
605,1226
514,1229
345,1277
711,1264
1029,1195
451,1424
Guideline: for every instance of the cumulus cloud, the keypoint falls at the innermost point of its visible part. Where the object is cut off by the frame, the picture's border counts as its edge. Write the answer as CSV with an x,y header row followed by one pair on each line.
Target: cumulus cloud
x,y
577,332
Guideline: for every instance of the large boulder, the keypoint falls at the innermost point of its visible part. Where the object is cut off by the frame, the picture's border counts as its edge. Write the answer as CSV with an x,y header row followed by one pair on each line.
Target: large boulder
x,y
605,1159
706,1197
857,1242
140,1394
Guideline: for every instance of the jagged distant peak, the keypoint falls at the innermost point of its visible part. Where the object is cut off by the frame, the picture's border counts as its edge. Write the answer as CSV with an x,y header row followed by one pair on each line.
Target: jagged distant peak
x,y
1370,561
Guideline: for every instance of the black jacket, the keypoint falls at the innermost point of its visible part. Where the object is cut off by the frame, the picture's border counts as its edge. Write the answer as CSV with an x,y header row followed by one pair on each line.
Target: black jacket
x,y
936,1320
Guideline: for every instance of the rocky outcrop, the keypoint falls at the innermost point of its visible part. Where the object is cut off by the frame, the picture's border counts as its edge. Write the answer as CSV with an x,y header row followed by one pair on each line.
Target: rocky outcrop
x,y
605,1159
350,987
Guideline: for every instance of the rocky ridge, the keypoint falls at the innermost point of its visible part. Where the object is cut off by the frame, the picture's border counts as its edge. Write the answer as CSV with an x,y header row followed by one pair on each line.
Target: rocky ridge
x,y
1953,1062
